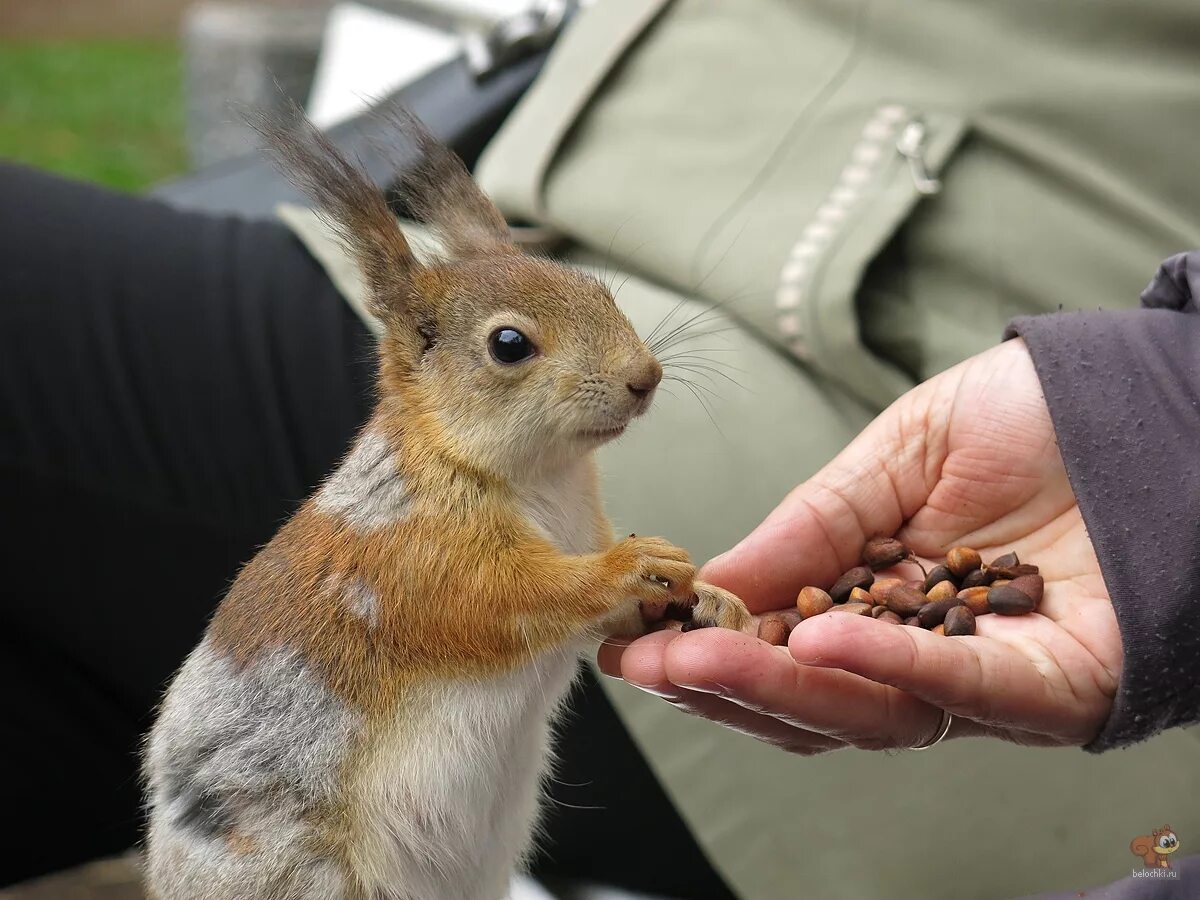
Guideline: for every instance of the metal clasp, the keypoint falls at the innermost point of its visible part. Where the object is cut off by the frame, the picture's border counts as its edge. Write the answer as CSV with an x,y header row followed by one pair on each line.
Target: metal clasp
x,y
911,145
515,37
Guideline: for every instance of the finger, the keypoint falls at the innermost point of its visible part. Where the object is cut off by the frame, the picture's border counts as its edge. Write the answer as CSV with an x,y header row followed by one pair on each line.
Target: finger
x,y
641,664
612,650
1006,680
767,681
881,479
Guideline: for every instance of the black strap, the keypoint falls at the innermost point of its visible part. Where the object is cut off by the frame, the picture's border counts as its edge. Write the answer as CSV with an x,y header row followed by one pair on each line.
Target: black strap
x,y
459,109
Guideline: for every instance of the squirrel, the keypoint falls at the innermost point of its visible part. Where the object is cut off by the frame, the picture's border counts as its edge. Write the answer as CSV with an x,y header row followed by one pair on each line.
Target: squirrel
x,y
368,713
1156,848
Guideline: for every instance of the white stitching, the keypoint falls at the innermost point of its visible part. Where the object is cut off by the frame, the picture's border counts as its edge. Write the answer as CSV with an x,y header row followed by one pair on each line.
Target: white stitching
x,y
865,158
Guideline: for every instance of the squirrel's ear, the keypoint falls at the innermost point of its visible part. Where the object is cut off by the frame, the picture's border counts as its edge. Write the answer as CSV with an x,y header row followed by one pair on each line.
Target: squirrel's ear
x,y
440,192
356,208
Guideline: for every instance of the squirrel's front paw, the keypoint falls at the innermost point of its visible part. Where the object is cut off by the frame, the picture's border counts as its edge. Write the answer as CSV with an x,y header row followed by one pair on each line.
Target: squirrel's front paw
x,y
653,570
717,606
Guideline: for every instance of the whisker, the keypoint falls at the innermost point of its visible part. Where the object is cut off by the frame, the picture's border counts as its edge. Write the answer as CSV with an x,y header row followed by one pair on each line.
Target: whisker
x,y
676,340
701,357
710,372
699,284
648,340
704,405
624,281
686,350
564,803
608,253
672,336
706,387
703,318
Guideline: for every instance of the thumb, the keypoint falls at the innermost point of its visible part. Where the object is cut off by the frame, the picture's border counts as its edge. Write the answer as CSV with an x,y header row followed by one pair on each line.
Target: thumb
x,y
882,478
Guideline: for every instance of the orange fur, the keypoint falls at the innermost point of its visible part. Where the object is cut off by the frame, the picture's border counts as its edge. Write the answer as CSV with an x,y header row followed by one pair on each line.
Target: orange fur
x,y
472,596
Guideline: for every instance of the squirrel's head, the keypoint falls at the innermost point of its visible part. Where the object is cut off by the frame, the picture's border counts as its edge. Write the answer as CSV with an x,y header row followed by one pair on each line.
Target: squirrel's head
x,y
1164,840
512,363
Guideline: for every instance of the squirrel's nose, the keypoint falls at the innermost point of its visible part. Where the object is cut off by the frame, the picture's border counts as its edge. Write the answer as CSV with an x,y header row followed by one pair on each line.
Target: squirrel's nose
x,y
646,379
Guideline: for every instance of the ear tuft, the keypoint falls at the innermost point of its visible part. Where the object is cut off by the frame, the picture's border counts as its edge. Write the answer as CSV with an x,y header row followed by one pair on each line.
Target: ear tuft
x,y
348,198
439,190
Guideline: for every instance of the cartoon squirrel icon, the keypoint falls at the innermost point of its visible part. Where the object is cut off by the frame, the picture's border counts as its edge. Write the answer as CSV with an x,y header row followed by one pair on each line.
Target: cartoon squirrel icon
x,y
1156,849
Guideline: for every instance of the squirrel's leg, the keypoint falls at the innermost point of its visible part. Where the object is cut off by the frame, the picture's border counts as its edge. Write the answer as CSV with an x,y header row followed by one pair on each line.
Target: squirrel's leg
x,y
711,605
610,588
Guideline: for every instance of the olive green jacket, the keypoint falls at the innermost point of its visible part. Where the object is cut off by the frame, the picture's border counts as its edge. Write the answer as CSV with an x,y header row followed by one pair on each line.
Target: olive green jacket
x,y
853,196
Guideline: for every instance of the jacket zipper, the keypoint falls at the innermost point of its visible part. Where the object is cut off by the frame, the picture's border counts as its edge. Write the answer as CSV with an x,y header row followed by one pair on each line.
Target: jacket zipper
x,y
909,135
911,145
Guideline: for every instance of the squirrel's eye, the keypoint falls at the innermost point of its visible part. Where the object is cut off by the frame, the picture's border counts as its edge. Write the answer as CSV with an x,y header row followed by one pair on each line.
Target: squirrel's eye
x,y
510,346
1164,841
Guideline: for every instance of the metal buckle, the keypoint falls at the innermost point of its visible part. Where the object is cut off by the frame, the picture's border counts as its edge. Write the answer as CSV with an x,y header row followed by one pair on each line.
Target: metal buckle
x,y
515,37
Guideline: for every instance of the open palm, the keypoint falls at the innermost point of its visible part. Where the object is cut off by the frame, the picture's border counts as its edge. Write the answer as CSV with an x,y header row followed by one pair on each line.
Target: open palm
x,y
970,458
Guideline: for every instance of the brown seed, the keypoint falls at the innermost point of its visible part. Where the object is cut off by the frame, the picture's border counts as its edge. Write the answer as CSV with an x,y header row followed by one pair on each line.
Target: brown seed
x,y
938,629
905,600
1006,600
937,575
878,611
935,613
959,620
1008,559
773,630
791,616
976,578
858,595
812,601
962,560
882,552
880,587
855,609
1000,582
913,621
975,599
890,617
859,576
1033,585
941,591
1011,572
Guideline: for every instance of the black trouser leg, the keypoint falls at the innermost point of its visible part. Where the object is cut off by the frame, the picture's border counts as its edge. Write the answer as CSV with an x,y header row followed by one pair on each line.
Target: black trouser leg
x,y
170,386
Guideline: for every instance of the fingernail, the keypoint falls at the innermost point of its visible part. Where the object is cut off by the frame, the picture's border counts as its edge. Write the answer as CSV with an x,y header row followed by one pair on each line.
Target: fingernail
x,y
662,695
806,657
704,687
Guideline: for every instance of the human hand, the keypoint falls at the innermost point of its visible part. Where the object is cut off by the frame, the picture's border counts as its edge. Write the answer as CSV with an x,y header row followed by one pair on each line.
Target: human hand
x,y
967,458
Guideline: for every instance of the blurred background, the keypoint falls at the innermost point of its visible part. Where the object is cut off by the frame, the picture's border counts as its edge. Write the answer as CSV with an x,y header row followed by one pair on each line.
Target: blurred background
x,y
128,93
93,88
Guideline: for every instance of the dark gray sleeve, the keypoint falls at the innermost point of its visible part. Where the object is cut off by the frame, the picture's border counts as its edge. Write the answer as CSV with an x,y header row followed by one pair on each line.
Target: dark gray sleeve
x,y
1123,390
1143,884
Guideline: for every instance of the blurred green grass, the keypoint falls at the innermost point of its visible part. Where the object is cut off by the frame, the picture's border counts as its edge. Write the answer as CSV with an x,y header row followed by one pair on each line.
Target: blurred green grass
x,y
107,111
